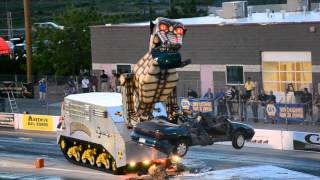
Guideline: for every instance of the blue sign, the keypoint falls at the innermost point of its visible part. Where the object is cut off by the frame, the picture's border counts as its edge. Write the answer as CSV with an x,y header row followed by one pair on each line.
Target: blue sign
x,y
197,104
283,112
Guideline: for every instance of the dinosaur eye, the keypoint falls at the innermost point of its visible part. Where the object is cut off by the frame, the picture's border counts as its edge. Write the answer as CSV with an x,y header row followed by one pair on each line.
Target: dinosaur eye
x,y
179,31
163,27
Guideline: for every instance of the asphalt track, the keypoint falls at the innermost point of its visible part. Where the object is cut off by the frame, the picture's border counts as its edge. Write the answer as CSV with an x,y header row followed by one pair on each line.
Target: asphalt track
x,y
19,149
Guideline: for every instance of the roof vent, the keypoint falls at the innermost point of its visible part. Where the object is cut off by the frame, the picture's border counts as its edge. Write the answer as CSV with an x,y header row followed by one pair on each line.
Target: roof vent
x,y
297,5
234,10
304,10
250,11
268,13
283,14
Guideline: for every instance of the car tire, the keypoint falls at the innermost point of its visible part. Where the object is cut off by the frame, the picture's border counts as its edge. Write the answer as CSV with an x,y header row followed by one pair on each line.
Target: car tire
x,y
238,140
181,148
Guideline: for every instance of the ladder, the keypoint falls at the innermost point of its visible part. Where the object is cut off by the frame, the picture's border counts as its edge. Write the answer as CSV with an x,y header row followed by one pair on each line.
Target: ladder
x,y
12,102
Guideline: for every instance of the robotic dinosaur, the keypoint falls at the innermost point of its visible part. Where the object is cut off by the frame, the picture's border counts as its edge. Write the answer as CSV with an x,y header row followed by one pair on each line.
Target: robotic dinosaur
x,y
154,77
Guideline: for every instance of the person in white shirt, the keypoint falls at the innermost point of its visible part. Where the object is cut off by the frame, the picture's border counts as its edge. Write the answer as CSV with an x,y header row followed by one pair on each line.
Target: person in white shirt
x,y
85,84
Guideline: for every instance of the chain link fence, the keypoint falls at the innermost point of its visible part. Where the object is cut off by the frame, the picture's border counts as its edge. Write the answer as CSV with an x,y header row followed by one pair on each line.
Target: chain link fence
x,y
57,87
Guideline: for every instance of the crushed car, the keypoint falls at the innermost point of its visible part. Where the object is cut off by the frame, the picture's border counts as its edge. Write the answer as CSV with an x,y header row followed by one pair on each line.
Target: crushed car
x,y
204,129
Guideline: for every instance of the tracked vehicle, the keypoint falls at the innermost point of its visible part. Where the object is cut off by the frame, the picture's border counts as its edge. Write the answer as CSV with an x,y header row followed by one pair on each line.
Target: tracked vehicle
x,y
94,134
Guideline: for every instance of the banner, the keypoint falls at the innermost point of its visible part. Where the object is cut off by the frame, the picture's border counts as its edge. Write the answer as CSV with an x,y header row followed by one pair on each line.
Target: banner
x,y
306,141
6,120
283,112
196,104
37,122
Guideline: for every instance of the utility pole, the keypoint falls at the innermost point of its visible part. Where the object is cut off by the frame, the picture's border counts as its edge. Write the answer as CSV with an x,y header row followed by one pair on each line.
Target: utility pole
x,y
26,7
9,24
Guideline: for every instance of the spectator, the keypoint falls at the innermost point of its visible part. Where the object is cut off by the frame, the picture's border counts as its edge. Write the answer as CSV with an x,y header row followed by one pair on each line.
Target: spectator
x,y
263,97
42,91
229,95
94,82
317,103
306,99
192,94
104,81
208,94
254,102
249,86
113,82
219,97
243,106
85,84
271,98
71,87
118,87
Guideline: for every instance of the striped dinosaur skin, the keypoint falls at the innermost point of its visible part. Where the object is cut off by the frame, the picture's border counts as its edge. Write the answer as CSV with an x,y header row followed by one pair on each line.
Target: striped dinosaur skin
x,y
154,77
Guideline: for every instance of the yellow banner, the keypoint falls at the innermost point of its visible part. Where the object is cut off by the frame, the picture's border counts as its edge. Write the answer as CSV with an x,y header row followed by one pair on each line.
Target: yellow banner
x,y
37,122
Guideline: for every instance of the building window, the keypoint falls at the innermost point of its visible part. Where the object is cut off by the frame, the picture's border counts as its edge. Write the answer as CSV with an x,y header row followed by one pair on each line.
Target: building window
x,y
281,68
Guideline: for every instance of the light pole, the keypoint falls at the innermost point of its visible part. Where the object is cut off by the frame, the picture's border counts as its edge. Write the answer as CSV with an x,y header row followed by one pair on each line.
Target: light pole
x,y
27,27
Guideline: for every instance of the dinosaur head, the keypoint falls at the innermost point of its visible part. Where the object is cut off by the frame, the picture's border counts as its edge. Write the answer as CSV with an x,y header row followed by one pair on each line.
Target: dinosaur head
x,y
166,35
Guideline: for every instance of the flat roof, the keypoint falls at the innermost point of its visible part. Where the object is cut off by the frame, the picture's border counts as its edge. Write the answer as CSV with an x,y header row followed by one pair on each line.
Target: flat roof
x,y
104,99
255,18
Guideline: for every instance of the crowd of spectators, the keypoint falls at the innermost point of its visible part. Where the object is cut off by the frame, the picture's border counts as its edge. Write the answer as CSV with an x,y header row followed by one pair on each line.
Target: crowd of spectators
x,y
92,83
233,100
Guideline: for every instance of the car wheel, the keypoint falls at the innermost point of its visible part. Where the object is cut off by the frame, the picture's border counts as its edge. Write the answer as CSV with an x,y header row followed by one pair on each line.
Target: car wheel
x,y
238,140
181,148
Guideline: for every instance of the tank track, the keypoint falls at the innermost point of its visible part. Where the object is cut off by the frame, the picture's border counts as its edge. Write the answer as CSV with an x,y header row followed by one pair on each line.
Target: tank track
x,y
80,147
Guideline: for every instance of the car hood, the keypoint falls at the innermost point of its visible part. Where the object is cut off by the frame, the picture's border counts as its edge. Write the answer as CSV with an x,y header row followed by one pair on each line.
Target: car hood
x,y
242,125
157,125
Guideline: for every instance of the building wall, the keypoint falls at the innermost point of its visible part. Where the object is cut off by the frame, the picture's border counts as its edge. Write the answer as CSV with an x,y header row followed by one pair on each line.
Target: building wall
x,y
212,46
209,44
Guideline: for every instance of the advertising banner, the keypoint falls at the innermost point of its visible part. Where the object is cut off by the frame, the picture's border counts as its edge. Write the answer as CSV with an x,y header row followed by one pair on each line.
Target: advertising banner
x,y
306,141
37,122
197,104
6,120
263,138
283,112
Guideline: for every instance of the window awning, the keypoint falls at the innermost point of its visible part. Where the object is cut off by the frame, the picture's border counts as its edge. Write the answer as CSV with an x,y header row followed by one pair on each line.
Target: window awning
x,y
4,47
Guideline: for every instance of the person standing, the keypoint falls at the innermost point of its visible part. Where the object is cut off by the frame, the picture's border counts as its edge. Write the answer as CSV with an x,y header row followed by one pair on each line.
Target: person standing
x,y
42,91
229,98
221,108
306,99
254,102
208,94
104,82
94,82
263,97
243,106
85,84
249,86
113,82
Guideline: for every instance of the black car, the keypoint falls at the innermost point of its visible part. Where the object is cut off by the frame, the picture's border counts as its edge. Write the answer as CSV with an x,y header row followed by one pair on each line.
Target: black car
x,y
203,130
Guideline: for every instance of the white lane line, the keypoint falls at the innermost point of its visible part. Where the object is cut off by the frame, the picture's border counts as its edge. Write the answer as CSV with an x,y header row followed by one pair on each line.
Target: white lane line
x,y
26,142
70,170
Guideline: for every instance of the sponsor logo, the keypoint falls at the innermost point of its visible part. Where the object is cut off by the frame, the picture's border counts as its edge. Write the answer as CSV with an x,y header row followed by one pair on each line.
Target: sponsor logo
x,y
37,122
313,139
271,110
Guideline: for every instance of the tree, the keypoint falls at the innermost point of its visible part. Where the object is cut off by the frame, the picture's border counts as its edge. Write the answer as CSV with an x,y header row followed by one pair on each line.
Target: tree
x,y
65,52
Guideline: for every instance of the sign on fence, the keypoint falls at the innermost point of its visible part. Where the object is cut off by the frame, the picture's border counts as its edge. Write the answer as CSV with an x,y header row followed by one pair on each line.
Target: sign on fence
x,y
306,141
197,105
37,122
6,120
282,112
